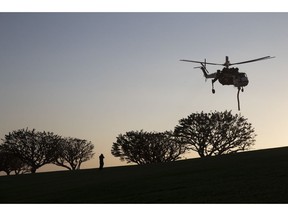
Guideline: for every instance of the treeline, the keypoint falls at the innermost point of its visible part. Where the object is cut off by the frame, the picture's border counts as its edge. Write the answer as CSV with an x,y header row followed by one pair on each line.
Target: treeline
x,y
25,151
208,134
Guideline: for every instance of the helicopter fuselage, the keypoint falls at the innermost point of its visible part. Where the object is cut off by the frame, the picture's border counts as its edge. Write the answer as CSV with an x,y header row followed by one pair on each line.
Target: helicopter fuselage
x,y
232,76
228,76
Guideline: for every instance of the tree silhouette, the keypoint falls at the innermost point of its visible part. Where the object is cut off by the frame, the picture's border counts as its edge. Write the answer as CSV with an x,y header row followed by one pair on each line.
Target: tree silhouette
x,y
9,162
34,148
215,133
147,147
72,152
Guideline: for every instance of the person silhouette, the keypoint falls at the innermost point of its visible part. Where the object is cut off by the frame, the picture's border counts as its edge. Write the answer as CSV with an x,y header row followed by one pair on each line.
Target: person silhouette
x,y
101,161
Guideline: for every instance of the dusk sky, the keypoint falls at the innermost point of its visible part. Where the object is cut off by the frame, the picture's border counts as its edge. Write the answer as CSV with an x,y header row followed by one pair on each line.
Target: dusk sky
x,y
95,75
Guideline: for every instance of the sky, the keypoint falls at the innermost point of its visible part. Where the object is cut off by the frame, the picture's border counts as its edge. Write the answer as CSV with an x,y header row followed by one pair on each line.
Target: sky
x,y
96,75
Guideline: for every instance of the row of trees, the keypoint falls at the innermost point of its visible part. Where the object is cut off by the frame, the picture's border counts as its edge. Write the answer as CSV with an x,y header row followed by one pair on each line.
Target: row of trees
x,y
208,134
25,150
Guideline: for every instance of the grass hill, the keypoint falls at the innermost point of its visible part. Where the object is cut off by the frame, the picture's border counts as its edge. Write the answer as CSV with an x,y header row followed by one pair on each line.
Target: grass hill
x,y
250,177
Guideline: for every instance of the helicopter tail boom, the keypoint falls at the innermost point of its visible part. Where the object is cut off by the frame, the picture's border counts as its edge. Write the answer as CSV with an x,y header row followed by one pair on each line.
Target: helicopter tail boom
x,y
206,73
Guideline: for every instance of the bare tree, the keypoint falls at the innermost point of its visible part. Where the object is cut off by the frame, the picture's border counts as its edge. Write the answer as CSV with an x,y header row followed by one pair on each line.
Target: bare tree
x,y
34,148
147,147
73,152
215,133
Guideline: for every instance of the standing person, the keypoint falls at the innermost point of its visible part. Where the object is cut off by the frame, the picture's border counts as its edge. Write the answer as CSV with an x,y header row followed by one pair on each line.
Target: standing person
x,y
101,161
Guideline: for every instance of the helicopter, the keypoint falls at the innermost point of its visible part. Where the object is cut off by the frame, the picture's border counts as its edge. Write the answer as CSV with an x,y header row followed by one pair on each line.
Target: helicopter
x,y
228,75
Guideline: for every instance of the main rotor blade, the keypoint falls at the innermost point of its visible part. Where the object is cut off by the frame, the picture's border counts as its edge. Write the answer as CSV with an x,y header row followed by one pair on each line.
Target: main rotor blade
x,y
200,62
258,59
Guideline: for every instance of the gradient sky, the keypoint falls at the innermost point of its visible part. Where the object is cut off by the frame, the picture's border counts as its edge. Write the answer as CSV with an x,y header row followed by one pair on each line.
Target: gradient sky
x,y
96,75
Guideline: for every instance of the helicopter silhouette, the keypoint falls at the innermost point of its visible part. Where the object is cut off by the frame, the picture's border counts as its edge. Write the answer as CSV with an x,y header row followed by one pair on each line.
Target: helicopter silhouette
x,y
227,76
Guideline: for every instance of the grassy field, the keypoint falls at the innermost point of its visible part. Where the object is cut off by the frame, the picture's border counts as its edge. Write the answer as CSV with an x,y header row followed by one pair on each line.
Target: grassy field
x,y
250,177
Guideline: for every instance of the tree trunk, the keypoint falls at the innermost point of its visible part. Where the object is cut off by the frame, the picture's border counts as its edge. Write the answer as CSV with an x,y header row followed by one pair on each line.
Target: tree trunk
x,y
7,172
33,169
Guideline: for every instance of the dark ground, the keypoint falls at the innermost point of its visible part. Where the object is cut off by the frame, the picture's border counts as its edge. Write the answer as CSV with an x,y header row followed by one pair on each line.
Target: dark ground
x,y
251,177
